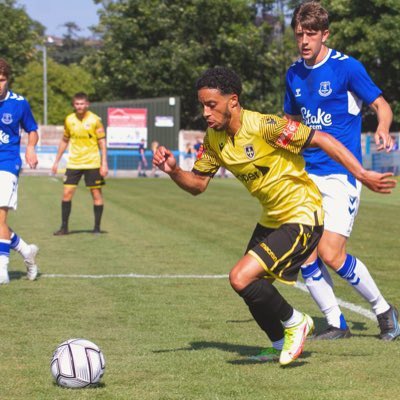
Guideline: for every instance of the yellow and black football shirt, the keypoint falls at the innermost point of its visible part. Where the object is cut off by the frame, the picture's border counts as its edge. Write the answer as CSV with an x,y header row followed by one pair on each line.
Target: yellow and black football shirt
x,y
83,135
265,156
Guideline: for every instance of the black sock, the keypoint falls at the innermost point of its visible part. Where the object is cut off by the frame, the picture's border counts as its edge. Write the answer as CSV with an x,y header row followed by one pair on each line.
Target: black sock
x,y
65,213
98,212
268,307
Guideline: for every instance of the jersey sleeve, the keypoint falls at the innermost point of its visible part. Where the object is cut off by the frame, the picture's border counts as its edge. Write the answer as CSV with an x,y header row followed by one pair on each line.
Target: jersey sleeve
x,y
208,163
67,132
100,133
28,122
360,83
284,133
289,105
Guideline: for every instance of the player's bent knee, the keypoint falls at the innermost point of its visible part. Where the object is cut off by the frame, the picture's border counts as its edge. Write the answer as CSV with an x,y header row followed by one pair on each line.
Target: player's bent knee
x,y
333,259
238,280
234,281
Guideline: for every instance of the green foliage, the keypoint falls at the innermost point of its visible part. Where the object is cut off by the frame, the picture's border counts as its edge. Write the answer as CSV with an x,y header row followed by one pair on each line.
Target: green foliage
x,y
369,30
18,35
63,83
73,48
159,48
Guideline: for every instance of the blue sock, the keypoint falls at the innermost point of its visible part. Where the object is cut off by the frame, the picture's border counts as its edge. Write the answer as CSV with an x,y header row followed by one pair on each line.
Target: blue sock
x,y
346,271
4,247
14,240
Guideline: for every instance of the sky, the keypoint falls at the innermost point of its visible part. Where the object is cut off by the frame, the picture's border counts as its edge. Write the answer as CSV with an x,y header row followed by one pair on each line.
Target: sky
x,y
54,13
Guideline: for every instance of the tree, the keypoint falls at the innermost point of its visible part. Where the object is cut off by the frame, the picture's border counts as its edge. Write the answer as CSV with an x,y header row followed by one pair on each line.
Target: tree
x,y
369,30
18,36
73,48
63,83
159,47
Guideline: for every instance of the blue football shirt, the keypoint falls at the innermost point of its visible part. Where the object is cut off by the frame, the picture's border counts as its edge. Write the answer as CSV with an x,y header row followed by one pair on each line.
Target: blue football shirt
x,y
329,97
15,113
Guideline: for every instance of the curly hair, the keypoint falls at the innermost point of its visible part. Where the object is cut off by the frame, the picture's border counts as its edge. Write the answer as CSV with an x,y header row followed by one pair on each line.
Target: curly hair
x,y
224,79
310,15
5,68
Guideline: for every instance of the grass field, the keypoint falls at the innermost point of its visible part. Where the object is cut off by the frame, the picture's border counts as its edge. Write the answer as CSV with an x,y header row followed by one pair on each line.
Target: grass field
x,y
167,337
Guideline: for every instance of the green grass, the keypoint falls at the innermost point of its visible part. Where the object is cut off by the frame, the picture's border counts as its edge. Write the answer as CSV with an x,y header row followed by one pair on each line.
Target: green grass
x,y
179,338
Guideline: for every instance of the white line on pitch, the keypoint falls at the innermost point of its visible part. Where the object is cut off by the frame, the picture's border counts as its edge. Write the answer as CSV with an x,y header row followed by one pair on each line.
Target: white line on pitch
x,y
345,304
301,286
135,276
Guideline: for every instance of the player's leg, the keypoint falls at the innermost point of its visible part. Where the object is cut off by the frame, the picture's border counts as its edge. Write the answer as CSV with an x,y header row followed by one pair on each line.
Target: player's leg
x,y
4,246
335,196
28,253
279,256
66,206
71,180
267,322
98,207
320,286
265,302
8,201
353,270
94,181
341,202
140,167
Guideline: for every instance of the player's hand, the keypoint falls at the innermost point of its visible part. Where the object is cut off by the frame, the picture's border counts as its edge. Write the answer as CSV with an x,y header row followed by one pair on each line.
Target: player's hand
x,y
31,157
104,170
164,160
383,140
54,168
379,183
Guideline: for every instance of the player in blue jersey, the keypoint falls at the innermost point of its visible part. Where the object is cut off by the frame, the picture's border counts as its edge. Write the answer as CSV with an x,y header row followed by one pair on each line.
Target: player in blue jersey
x,y
15,113
325,90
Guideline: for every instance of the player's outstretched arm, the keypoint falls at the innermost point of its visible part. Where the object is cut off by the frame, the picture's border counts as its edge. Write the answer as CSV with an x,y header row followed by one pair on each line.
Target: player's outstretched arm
x,y
377,182
187,180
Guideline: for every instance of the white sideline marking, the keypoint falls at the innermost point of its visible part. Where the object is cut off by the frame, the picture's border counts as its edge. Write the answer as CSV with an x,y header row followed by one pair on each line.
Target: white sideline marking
x,y
345,304
301,286
135,276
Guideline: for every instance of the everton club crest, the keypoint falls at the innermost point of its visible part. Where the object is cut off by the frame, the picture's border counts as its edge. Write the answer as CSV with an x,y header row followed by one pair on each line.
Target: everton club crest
x,y
6,119
325,89
249,150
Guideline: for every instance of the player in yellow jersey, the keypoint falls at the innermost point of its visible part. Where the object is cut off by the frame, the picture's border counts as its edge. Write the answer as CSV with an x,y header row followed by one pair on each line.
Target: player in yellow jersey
x,y
263,152
84,133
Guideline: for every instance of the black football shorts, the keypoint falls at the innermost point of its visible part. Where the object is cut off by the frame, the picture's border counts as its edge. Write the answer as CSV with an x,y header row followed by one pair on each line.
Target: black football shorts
x,y
282,251
93,179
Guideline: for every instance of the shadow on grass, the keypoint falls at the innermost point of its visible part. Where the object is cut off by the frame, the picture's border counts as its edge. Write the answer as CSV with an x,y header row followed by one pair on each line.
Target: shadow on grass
x,y
355,326
248,351
15,275
241,350
319,322
99,385
77,231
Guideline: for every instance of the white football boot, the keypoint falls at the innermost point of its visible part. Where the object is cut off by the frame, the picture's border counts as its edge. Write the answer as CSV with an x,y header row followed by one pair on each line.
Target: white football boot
x,y
4,278
294,340
30,263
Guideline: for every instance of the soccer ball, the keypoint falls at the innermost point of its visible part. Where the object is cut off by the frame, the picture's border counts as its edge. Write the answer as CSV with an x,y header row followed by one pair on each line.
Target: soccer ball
x,y
77,363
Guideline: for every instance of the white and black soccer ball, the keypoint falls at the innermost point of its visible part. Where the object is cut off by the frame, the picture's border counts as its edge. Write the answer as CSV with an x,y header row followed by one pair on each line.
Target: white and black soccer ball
x,y
77,363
